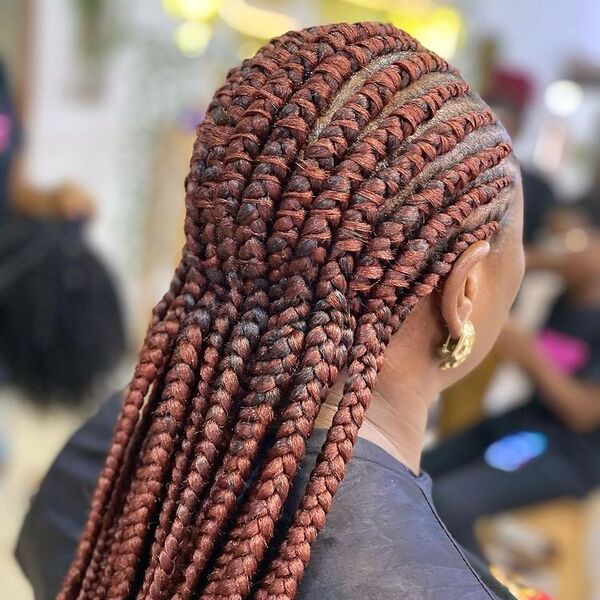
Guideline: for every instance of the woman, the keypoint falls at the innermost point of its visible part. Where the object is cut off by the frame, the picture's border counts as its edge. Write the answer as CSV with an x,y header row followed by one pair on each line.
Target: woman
x,y
350,205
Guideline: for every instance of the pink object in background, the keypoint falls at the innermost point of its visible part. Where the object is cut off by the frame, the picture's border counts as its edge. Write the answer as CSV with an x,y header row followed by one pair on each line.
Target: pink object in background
x,y
5,128
568,354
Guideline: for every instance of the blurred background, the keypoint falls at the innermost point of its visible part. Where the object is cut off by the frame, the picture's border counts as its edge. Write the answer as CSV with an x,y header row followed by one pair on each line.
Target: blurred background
x,y
99,100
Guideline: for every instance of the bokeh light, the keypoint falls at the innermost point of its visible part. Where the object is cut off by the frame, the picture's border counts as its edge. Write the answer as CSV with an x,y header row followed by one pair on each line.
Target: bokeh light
x,y
563,97
436,28
192,38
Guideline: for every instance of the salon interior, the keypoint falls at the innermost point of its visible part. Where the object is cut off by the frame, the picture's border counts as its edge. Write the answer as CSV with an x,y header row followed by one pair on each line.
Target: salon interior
x,y
99,101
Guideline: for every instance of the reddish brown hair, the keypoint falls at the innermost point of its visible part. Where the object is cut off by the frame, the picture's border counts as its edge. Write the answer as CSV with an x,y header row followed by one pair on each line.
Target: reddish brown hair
x,y
337,176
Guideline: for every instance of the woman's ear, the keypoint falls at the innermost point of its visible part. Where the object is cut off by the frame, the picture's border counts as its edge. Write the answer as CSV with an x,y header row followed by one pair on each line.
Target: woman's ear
x,y
462,287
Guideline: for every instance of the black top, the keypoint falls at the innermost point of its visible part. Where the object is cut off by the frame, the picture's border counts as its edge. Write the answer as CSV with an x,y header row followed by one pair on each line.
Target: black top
x,y
539,200
383,539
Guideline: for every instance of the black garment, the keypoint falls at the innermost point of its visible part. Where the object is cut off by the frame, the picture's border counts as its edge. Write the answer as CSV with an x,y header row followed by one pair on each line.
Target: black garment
x,y
539,199
383,539
569,467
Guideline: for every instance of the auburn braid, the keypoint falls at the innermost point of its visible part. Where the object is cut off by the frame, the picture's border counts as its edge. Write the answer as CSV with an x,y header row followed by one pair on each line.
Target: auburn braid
x,y
132,516
270,168
335,180
184,289
215,138
205,166
299,417
214,526
373,333
281,329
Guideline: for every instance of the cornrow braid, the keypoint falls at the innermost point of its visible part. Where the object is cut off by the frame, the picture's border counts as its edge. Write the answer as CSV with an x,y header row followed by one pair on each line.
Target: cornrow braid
x,y
250,209
283,331
374,330
298,417
335,180
214,138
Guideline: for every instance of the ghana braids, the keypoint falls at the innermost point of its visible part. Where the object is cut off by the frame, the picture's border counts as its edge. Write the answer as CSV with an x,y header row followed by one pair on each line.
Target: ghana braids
x,y
336,178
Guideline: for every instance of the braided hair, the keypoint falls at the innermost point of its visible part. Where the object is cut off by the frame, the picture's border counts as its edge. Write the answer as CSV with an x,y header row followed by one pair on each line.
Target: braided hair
x,y
337,176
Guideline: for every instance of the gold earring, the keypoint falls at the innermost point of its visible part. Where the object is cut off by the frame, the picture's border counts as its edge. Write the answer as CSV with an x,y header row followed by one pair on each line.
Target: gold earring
x,y
454,352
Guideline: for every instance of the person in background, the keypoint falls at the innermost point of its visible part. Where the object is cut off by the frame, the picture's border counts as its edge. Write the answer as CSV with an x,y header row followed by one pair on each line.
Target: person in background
x,y
61,327
508,93
550,447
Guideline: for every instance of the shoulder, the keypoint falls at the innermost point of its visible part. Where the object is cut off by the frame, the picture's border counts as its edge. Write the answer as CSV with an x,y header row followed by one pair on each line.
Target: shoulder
x,y
384,541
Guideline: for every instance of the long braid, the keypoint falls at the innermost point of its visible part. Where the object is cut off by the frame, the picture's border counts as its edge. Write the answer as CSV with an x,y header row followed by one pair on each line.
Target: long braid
x,y
208,134
201,166
269,169
187,287
228,492
336,178
155,348
373,332
293,427
169,329
282,463
242,141
337,448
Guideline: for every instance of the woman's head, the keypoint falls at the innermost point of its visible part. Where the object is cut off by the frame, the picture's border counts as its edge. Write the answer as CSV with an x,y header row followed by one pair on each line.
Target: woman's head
x,y
341,177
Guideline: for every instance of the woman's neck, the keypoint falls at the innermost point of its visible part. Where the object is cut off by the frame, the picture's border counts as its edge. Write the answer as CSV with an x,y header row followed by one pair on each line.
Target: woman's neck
x,y
396,420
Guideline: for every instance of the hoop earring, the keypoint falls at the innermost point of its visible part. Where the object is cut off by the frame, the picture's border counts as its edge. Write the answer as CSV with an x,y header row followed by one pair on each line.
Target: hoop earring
x,y
454,352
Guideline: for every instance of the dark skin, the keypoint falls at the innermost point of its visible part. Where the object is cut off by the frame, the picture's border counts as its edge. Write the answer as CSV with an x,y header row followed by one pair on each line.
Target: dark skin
x,y
575,257
481,287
